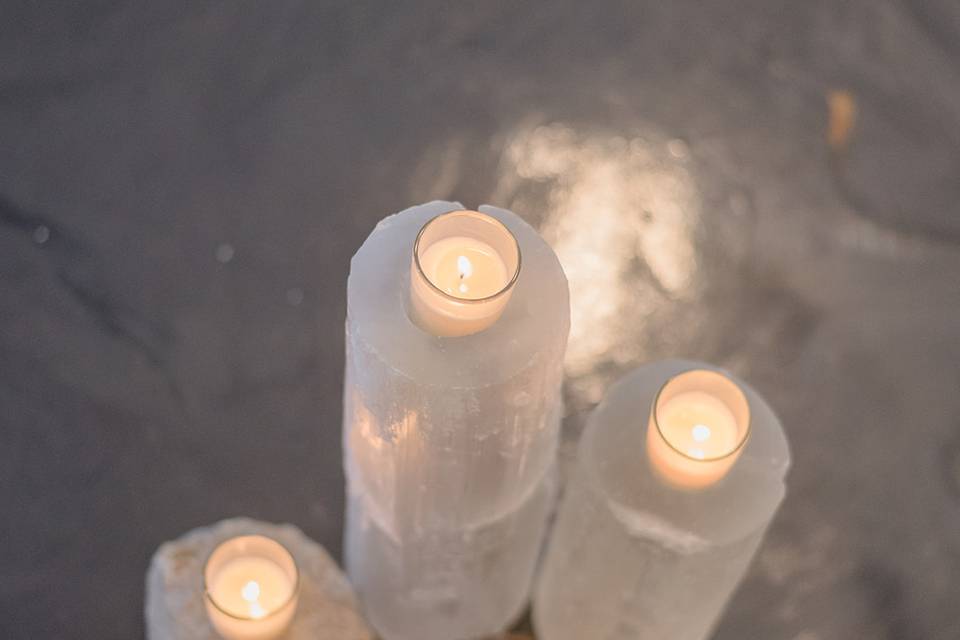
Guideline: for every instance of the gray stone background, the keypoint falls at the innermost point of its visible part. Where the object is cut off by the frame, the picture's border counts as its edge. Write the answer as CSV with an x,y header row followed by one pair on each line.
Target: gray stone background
x,y
771,186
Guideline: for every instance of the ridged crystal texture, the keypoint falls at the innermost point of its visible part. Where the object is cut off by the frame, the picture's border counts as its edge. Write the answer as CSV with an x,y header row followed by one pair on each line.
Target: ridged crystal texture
x,y
449,443
632,558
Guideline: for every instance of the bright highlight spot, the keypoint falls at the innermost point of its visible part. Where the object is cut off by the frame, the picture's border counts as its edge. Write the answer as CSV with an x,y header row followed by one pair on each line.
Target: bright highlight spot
x,y
256,611
701,432
696,453
251,591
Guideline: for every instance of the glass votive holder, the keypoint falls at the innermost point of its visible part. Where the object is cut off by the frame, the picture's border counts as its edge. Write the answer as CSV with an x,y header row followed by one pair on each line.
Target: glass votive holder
x,y
465,265
251,585
699,423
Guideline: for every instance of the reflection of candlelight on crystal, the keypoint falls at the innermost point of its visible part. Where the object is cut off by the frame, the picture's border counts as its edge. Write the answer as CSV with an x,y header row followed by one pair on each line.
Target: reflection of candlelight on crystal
x,y
464,267
251,587
699,422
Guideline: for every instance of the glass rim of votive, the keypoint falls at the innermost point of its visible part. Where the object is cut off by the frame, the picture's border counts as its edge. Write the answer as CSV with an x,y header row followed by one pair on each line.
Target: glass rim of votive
x,y
290,597
734,386
473,214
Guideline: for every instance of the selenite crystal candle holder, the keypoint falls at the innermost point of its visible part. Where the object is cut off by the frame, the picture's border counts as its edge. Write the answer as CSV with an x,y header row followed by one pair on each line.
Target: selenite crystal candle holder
x,y
449,440
648,544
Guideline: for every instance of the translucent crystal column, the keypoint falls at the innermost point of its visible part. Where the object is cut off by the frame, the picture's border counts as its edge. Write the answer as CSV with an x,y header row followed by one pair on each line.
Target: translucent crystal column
x,y
449,443
634,557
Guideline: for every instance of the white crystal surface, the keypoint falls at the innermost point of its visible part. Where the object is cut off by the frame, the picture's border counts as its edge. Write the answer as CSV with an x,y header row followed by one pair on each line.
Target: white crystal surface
x,y
632,558
174,610
447,585
447,436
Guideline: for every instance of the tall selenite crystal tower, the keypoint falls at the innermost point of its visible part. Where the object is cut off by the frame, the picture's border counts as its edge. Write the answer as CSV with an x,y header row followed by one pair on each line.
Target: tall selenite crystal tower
x,y
663,514
451,418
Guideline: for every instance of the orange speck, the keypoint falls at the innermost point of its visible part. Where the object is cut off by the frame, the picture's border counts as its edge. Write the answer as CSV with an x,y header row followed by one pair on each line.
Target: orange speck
x,y
843,117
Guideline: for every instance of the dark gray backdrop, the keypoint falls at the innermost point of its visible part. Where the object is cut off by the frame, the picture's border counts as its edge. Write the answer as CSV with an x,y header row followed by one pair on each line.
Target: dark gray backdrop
x,y
181,189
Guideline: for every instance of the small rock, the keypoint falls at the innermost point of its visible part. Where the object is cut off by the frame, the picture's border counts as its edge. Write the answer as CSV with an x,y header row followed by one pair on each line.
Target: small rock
x,y
225,253
174,609
41,234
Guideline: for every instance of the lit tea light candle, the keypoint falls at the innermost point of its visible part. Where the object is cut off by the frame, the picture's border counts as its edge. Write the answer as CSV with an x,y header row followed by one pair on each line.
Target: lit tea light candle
x,y
465,265
699,423
251,585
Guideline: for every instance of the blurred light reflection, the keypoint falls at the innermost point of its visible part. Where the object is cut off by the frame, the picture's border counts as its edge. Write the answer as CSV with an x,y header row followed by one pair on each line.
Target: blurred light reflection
x,y
621,215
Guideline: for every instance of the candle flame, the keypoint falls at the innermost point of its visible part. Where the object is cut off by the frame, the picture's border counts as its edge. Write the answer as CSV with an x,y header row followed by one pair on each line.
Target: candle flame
x,y
464,266
251,593
701,432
